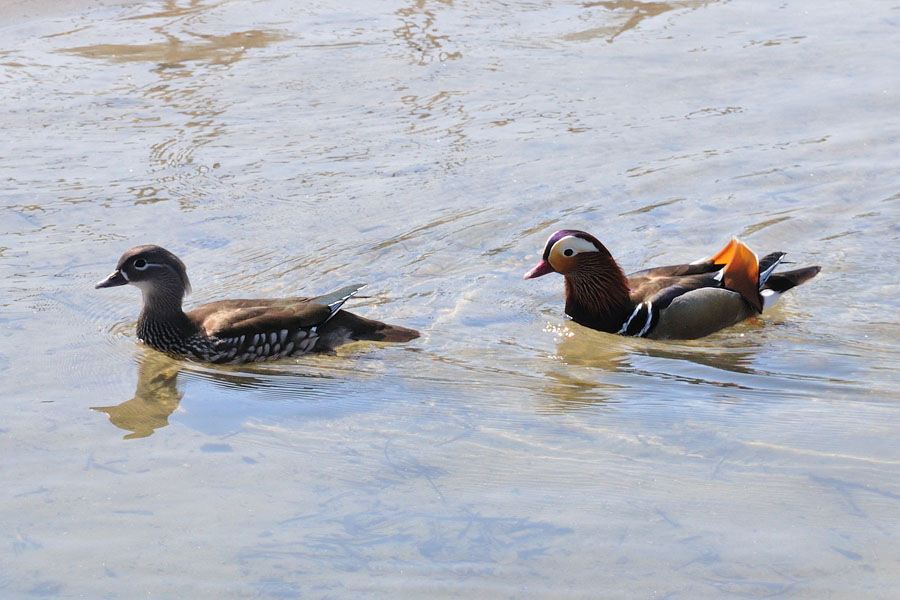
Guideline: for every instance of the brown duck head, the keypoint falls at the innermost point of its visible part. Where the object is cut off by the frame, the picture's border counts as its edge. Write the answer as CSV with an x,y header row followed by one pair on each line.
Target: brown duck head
x,y
159,274
597,293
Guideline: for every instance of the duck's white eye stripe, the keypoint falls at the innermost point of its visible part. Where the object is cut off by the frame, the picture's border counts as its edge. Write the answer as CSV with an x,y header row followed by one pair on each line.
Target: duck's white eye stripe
x,y
576,244
124,275
146,264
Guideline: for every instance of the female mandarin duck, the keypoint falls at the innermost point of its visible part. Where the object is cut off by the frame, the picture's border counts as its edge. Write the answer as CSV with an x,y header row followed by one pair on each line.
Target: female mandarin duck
x,y
675,302
238,331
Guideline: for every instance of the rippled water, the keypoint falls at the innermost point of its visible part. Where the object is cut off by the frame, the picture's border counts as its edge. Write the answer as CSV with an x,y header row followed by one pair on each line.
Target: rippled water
x,y
430,148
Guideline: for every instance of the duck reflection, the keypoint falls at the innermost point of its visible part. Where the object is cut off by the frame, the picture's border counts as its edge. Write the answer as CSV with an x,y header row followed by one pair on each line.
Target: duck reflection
x,y
584,347
157,395
569,392
594,367
155,398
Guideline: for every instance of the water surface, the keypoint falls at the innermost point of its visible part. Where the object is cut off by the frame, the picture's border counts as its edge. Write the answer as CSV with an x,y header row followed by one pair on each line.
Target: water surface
x,y
429,148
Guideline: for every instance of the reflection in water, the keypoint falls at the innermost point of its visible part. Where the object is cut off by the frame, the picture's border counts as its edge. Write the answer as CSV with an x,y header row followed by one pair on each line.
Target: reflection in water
x,y
171,9
178,62
155,398
444,117
157,395
443,113
172,53
635,11
608,357
576,388
738,360
583,347
571,392
417,30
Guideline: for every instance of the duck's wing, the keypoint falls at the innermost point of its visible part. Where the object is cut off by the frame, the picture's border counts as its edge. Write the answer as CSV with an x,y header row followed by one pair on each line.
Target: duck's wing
x,y
654,290
693,300
650,282
684,307
227,318
267,328
736,267
689,314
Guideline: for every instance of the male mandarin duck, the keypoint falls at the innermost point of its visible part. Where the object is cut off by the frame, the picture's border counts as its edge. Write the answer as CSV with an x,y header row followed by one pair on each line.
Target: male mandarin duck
x,y
675,302
238,331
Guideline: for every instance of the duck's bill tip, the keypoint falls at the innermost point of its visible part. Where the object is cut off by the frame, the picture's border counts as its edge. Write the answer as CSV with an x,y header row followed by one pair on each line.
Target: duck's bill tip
x,y
542,268
114,279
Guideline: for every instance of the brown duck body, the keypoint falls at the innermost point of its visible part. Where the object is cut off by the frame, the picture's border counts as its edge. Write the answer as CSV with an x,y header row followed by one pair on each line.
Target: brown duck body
x,y
250,330
238,330
673,302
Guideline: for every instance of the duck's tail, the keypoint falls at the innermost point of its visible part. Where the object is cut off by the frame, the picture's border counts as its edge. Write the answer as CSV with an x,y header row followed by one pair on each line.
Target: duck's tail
x,y
778,283
360,328
785,280
384,332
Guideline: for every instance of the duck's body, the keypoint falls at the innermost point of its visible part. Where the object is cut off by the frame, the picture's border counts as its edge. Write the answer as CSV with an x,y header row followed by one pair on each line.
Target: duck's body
x,y
674,302
239,330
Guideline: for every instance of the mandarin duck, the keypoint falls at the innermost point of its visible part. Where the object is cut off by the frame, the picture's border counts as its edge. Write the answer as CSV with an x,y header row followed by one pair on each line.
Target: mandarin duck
x,y
675,302
240,330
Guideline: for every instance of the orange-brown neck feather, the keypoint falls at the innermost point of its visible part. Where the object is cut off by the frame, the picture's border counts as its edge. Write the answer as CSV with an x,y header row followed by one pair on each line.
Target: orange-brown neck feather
x,y
597,293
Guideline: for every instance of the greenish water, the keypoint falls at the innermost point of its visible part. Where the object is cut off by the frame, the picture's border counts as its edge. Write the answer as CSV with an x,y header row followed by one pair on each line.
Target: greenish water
x,y
429,148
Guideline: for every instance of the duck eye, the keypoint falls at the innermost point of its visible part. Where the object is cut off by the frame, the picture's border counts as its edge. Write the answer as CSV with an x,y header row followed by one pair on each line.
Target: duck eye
x,y
568,252
140,264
